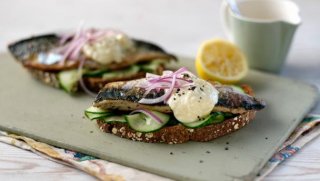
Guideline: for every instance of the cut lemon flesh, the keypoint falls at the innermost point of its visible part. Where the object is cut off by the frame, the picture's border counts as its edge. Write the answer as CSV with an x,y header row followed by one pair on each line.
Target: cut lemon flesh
x,y
220,60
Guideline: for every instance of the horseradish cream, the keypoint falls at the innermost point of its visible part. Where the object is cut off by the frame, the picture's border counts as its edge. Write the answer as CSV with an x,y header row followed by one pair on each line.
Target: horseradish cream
x,y
193,102
109,49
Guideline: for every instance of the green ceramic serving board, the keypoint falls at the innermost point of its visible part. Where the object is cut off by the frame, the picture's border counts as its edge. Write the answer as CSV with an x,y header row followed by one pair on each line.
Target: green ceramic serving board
x,y
50,115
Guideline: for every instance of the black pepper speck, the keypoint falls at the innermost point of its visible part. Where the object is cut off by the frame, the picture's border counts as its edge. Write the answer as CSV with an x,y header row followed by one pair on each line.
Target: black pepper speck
x,y
185,75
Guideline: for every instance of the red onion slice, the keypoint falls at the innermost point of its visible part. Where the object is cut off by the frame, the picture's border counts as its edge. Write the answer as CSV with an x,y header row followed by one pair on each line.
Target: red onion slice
x,y
153,101
170,89
82,84
64,38
76,52
168,81
148,113
162,98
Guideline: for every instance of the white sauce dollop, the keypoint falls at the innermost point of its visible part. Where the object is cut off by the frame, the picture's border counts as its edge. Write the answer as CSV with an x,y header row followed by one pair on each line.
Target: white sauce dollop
x,y
111,48
190,104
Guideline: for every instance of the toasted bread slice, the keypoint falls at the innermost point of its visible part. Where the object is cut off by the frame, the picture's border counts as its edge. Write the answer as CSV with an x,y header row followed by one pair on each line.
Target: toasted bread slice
x,y
179,133
27,53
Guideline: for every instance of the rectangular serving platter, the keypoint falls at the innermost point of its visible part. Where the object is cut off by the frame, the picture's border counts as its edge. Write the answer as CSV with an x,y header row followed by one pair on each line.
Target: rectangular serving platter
x,y
50,115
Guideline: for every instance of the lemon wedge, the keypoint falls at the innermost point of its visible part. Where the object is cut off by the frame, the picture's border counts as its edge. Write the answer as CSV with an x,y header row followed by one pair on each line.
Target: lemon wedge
x,y
222,61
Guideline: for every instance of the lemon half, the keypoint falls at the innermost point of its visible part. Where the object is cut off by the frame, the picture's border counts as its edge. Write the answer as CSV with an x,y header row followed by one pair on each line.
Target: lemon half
x,y
222,61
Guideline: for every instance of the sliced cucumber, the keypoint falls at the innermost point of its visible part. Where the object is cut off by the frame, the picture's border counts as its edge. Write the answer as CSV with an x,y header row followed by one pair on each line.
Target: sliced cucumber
x,y
96,110
111,119
121,73
93,116
152,66
228,115
238,89
69,80
143,123
95,73
216,117
96,113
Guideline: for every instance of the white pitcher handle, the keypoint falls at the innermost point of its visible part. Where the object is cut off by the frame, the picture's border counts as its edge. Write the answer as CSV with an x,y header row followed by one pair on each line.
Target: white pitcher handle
x,y
224,14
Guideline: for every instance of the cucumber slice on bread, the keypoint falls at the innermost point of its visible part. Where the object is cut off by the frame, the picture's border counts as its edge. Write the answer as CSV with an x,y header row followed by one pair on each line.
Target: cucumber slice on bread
x,y
213,118
68,80
143,123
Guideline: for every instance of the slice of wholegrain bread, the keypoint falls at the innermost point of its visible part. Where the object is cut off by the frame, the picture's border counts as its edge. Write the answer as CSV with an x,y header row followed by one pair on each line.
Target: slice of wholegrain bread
x,y
179,133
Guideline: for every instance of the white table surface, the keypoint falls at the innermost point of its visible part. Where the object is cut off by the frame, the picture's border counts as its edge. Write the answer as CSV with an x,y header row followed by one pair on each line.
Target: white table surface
x,y
179,26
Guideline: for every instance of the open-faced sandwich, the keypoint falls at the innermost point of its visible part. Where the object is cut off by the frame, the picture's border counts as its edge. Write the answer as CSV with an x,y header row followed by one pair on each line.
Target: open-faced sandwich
x,y
175,107
88,59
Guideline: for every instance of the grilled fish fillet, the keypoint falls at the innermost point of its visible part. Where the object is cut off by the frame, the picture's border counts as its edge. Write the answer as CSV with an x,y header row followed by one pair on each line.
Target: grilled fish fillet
x,y
125,96
26,51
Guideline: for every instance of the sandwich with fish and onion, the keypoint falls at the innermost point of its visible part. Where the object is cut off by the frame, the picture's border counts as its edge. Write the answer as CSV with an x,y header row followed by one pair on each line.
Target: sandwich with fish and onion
x,y
174,107
88,58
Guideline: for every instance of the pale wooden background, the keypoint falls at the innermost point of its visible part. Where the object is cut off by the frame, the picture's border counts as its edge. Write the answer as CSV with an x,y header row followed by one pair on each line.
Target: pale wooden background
x,y
179,26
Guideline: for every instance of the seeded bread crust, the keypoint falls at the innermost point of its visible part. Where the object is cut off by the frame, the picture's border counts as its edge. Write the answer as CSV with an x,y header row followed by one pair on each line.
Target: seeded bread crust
x,y
178,133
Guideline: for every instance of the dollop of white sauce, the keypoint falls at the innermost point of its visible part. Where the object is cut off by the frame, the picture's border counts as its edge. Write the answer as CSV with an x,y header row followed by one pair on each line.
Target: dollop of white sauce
x,y
111,48
191,103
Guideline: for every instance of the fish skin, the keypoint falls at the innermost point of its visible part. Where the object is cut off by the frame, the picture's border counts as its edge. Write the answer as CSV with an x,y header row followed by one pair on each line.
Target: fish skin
x,y
231,99
23,50
123,91
117,94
